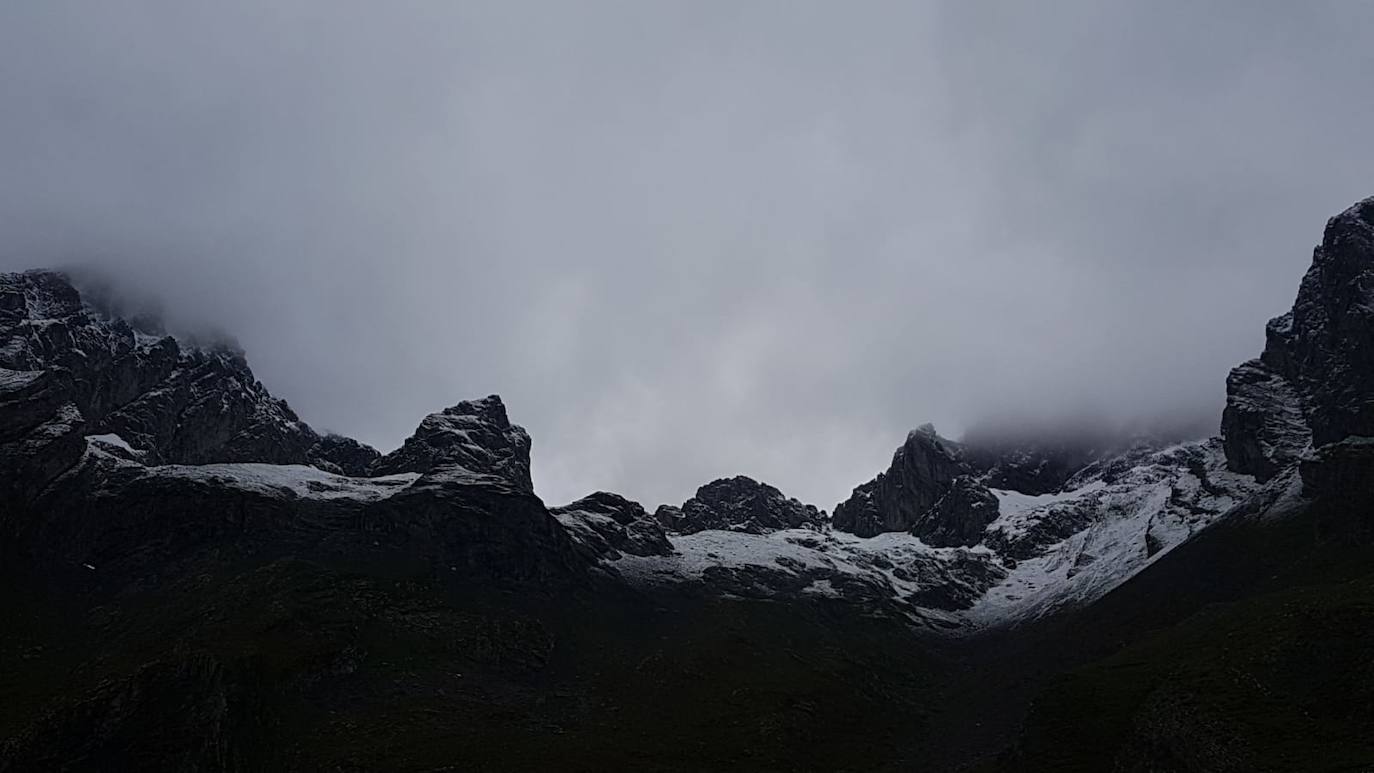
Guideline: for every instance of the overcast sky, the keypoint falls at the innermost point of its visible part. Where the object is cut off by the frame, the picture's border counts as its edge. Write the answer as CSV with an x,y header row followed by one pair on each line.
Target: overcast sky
x,y
689,240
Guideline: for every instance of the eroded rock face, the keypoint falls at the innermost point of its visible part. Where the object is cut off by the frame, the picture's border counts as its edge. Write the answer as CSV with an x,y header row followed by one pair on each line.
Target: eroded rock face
x,y
189,455
40,433
180,403
740,504
474,435
921,473
343,455
960,517
1329,346
669,517
604,525
1263,422
1316,375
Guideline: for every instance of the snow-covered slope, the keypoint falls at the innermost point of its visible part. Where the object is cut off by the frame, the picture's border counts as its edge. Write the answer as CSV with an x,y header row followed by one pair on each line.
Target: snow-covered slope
x,y
1043,553
890,573
1078,545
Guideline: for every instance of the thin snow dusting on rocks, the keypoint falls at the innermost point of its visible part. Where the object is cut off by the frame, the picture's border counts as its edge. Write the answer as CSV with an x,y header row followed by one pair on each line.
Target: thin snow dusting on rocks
x,y
1043,553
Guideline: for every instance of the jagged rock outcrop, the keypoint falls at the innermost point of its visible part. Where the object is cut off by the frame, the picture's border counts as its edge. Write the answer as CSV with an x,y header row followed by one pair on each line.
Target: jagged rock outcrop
x,y
922,471
604,525
1263,421
1328,348
668,516
474,435
343,455
1315,379
40,434
739,504
187,452
960,517
181,404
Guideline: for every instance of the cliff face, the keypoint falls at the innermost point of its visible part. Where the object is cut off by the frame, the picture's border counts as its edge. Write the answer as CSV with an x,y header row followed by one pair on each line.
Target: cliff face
x,y
1314,381
178,403
922,471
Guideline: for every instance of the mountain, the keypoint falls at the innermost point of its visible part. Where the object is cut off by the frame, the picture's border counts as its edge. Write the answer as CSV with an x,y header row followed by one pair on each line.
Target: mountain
x,y
1248,647
193,578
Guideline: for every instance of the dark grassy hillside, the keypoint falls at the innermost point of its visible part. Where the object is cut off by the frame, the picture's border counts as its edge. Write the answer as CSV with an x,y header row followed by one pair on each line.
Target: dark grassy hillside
x,y
1283,681
297,665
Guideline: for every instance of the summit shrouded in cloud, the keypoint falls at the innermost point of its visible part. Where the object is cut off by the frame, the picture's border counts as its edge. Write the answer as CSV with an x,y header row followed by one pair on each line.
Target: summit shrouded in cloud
x,y
685,242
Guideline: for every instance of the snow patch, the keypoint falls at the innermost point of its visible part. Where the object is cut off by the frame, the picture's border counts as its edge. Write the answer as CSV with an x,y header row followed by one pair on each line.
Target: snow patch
x,y
1012,503
112,439
1141,515
292,480
1078,545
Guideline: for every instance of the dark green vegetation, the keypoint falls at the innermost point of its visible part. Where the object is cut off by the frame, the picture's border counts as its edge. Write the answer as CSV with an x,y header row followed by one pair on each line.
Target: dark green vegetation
x,y
295,665
1282,682
1246,650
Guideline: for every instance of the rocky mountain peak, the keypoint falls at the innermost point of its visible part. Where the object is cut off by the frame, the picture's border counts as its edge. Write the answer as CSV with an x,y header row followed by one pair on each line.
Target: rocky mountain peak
x,y
740,504
928,430
604,525
960,517
475,435
178,401
612,505
922,470
488,410
1312,383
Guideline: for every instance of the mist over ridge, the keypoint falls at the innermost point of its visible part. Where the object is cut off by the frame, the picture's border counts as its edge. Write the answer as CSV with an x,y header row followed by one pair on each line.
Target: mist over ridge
x,y
688,243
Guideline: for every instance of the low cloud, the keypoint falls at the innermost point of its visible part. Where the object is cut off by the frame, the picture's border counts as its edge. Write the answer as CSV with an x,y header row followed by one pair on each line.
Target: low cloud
x,y
687,241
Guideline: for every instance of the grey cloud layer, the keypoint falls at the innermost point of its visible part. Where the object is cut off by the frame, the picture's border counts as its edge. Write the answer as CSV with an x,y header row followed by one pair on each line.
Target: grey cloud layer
x,y
690,240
